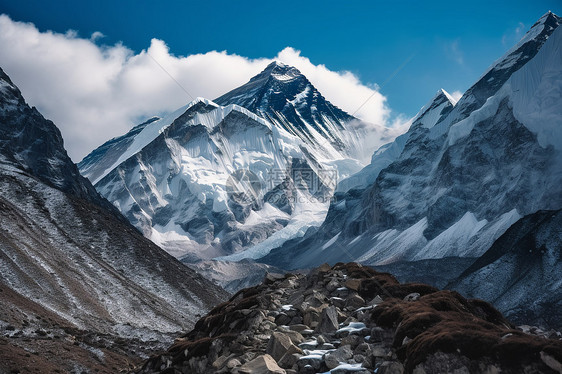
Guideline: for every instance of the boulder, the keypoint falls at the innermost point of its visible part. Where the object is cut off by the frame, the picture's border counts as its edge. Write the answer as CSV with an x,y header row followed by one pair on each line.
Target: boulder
x,y
280,344
289,360
328,321
298,327
340,355
310,362
311,316
354,302
333,285
353,284
264,364
391,367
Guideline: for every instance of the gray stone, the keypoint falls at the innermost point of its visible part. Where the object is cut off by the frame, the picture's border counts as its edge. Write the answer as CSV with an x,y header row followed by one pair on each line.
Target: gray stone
x,y
354,302
376,300
298,327
315,362
264,364
289,360
328,320
333,285
231,364
280,344
342,354
352,340
363,349
391,367
337,301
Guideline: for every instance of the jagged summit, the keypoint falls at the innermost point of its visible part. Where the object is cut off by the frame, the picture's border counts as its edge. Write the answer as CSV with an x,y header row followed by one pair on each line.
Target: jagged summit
x,y
280,71
34,144
285,97
447,95
549,18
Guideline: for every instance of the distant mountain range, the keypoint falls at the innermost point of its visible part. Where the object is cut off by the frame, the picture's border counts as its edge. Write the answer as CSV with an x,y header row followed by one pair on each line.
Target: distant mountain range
x,y
459,178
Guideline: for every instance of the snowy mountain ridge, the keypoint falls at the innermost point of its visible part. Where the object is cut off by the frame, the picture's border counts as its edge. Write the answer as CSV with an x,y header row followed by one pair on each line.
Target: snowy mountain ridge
x,y
172,177
428,116
452,185
285,97
182,174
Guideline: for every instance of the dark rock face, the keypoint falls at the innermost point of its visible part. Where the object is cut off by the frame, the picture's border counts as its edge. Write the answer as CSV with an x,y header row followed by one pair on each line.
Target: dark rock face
x,y
34,144
399,328
524,266
284,96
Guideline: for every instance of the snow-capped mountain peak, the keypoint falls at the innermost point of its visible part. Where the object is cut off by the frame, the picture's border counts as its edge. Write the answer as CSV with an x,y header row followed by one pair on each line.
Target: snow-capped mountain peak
x,y
462,174
280,71
286,98
449,97
435,110
429,115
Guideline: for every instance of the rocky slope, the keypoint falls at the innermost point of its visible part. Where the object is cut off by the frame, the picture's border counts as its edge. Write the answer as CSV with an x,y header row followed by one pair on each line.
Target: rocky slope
x,y
73,271
350,318
520,273
461,175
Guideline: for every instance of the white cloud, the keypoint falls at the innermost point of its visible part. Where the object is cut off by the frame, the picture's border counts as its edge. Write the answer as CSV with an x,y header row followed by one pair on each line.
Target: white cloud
x,y
96,35
96,92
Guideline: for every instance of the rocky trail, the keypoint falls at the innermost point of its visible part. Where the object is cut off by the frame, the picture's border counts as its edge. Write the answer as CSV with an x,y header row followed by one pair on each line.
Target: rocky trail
x,y
352,319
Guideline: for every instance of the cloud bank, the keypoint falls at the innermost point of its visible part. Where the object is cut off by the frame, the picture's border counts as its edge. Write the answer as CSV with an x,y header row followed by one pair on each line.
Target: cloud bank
x,y
95,92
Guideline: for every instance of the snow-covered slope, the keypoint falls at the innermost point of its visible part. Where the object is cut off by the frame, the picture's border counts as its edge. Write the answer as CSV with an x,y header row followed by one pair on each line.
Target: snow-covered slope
x,y
104,157
68,250
522,272
431,114
178,178
184,182
458,182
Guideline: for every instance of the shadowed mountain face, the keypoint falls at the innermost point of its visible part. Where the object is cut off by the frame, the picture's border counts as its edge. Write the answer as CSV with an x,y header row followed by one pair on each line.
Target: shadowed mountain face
x,y
31,143
285,97
521,272
69,260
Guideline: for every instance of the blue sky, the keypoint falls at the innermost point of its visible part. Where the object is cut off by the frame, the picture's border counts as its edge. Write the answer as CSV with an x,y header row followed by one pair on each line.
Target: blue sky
x,y
452,43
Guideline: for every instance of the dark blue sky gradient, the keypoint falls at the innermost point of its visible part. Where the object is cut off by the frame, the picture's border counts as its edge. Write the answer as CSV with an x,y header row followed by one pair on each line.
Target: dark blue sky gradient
x,y
452,43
